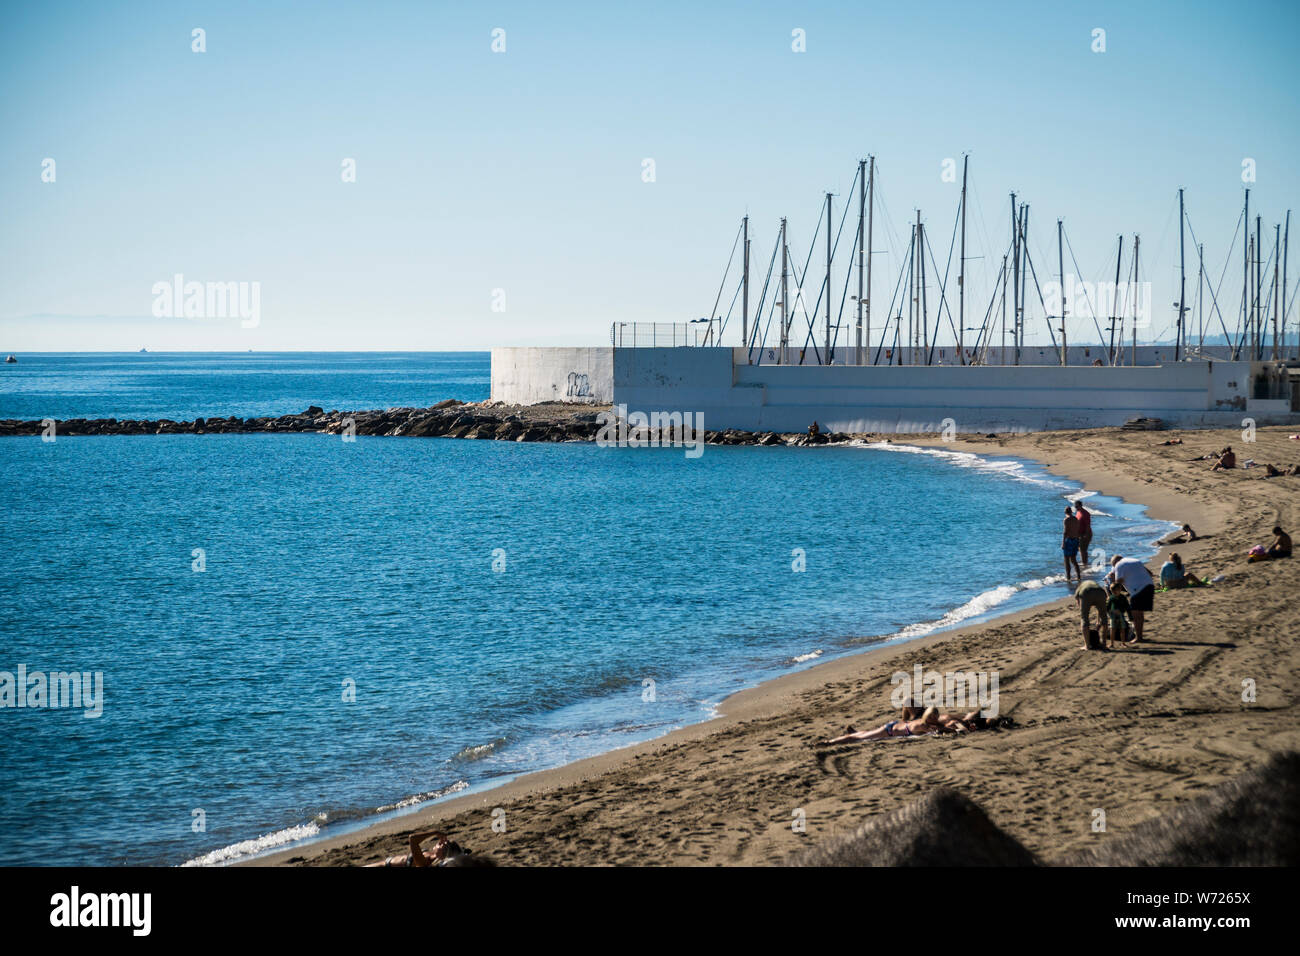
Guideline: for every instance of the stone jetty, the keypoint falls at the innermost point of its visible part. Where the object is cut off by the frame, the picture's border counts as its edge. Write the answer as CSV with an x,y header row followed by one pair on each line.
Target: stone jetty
x,y
547,422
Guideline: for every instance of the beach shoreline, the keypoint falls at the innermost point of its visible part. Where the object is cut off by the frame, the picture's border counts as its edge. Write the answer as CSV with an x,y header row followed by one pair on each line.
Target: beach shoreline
x,y
1105,461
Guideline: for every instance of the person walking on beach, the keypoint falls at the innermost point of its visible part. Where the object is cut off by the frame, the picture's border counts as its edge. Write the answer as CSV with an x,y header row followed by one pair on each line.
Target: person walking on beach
x,y
1090,595
1137,581
1070,544
1085,530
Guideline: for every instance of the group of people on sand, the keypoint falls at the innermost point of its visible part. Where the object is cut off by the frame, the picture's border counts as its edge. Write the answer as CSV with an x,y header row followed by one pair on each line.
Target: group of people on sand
x,y
1122,603
1226,460
918,722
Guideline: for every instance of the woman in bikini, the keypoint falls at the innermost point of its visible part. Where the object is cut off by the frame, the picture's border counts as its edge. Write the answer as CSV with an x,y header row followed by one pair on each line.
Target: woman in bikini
x,y
444,850
927,723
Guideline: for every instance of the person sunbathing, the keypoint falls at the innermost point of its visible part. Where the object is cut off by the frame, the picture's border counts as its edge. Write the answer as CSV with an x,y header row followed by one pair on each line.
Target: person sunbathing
x,y
1172,441
1226,460
927,723
442,852
973,720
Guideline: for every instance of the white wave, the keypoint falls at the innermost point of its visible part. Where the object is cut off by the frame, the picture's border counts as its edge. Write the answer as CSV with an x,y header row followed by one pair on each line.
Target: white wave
x,y
228,854
964,459
423,797
806,657
980,604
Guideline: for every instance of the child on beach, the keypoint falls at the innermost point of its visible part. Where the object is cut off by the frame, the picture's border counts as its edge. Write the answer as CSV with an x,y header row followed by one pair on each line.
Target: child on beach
x,y
1117,607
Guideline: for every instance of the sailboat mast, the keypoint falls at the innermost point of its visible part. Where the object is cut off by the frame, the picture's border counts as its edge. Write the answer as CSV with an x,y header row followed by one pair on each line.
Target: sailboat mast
x,y
1200,297
871,202
1137,243
862,202
961,273
744,295
785,295
1277,246
828,279
1015,287
1259,288
1060,265
1002,358
1182,277
1114,308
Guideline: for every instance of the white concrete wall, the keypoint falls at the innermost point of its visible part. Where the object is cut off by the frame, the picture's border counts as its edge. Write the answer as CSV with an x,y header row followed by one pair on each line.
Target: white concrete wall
x,y
526,376
921,398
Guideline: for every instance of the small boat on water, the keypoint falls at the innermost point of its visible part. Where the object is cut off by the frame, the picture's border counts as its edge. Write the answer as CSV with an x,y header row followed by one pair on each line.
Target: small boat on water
x,y
11,360
144,350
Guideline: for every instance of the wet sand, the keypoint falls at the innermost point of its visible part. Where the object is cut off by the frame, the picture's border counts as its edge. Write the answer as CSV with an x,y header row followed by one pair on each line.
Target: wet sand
x,y
1134,731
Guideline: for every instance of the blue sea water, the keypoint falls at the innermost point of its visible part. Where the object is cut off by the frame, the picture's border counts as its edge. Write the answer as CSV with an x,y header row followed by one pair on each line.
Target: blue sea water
x,y
186,385
497,607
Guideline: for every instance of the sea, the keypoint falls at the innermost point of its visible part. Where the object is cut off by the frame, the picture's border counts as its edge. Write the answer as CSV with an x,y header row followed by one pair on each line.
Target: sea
x,y
293,635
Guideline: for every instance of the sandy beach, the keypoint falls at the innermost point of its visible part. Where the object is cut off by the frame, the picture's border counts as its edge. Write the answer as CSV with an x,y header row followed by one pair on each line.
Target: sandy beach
x,y
1135,731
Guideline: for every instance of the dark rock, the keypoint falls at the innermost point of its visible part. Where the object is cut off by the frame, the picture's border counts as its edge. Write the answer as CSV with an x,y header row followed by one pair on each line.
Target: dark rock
x,y
943,828
1252,820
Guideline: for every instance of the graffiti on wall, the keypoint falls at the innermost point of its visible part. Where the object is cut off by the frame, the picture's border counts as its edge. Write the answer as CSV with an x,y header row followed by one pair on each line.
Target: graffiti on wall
x,y
579,387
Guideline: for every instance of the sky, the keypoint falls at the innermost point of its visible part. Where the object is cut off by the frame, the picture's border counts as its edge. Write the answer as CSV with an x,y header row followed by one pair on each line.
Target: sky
x,y
503,197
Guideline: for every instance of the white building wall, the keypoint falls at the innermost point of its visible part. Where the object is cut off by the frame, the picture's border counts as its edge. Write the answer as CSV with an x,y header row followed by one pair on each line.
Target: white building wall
x,y
920,398
526,376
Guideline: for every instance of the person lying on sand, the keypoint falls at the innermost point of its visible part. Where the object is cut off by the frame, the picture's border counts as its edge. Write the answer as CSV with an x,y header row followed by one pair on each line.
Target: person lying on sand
x,y
1280,548
1172,441
972,721
1227,460
1186,536
927,723
443,851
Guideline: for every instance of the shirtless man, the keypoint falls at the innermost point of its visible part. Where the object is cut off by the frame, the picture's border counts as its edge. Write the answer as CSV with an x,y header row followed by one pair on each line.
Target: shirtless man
x,y
1281,546
1226,460
1070,544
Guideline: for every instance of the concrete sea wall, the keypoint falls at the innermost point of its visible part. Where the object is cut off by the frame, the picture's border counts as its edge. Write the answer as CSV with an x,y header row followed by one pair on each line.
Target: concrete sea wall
x,y
526,376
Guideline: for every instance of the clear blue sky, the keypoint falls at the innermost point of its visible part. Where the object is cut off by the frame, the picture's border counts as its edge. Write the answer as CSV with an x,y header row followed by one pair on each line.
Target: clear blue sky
x,y
522,170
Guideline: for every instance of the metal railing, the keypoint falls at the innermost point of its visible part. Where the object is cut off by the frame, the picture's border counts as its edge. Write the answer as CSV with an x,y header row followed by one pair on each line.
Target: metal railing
x,y
631,335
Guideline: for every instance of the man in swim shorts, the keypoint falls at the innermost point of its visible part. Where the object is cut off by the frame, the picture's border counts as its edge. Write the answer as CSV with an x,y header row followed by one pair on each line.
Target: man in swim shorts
x,y
1070,544
1091,595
